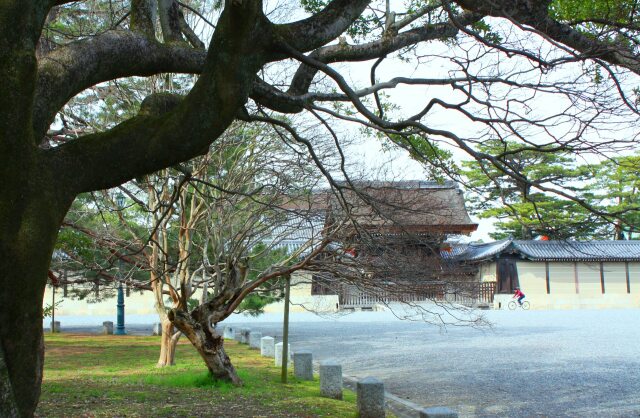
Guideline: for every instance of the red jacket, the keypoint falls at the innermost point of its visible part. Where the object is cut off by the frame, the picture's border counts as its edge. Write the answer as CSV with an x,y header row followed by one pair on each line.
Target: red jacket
x,y
518,293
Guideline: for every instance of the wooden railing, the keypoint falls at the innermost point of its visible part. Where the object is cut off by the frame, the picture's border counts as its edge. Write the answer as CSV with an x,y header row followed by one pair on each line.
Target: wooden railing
x,y
351,296
487,290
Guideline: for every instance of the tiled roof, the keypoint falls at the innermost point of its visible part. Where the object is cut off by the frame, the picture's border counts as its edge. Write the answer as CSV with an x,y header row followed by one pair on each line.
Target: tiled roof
x,y
295,232
393,207
408,206
474,251
554,250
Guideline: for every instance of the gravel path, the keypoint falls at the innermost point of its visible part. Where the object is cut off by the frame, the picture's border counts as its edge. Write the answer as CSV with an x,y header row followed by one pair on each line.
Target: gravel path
x,y
552,363
529,363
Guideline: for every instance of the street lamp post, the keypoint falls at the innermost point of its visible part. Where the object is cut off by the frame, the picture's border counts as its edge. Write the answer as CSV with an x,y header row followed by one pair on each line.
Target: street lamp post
x,y
120,329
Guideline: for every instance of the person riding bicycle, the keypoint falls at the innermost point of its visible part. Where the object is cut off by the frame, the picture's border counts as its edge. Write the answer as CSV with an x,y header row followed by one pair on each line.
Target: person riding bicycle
x,y
518,294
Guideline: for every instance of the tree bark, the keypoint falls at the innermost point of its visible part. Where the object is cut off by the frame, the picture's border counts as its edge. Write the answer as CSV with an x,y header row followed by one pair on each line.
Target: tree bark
x,y
32,206
28,230
8,407
168,343
209,344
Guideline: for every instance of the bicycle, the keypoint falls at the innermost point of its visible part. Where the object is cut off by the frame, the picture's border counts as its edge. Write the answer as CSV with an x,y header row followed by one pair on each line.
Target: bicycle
x,y
514,305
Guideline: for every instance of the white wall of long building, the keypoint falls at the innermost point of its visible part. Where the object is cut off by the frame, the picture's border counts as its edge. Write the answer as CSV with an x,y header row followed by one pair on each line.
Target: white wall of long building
x,y
573,285
142,302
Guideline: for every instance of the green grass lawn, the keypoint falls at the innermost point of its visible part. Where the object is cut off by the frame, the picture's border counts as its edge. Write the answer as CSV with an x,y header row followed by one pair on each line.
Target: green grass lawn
x,y
115,376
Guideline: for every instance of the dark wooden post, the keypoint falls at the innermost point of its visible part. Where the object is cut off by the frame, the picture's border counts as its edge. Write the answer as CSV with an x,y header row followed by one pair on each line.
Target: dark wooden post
x,y
285,330
53,308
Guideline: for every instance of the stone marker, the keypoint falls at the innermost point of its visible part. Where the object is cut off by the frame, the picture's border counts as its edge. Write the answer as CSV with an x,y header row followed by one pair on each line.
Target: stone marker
x,y
107,328
370,392
278,354
330,379
303,365
229,332
157,329
254,339
244,335
438,412
267,346
55,326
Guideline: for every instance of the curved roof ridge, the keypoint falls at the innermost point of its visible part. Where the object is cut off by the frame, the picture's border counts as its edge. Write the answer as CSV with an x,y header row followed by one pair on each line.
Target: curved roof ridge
x,y
567,250
481,251
561,250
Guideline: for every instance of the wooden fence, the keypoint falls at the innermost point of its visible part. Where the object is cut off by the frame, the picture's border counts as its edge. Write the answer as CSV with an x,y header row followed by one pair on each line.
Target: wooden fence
x,y
487,290
354,297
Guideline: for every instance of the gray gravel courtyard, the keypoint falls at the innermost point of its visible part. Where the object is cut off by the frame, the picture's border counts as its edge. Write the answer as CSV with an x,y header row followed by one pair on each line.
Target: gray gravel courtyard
x,y
534,363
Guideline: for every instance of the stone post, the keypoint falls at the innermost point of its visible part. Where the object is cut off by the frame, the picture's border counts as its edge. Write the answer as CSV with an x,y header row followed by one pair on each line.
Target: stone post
x,y
278,354
228,332
254,339
55,326
438,412
157,329
244,335
303,365
107,328
370,393
330,379
237,335
267,346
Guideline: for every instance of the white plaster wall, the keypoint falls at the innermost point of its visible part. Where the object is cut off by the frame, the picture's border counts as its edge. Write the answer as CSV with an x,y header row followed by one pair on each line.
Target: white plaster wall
x,y
302,300
488,272
634,279
589,281
590,294
532,278
615,279
562,279
142,303
531,275
501,300
137,303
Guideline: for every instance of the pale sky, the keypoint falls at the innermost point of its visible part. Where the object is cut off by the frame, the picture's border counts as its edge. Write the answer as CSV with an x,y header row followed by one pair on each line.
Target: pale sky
x,y
435,62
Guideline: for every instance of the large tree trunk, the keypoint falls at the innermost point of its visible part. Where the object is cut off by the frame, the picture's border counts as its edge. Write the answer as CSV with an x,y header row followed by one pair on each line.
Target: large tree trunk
x,y
209,344
32,207
168,340
37,185
28,229
168,343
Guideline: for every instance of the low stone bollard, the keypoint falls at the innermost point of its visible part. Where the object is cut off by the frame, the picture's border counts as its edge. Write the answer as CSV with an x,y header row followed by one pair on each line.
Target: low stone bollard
x,y
278,354
438,412
229,332
303,365
157,329
254,339
55,326
267,346
107,328
370,393
244,335
330,379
